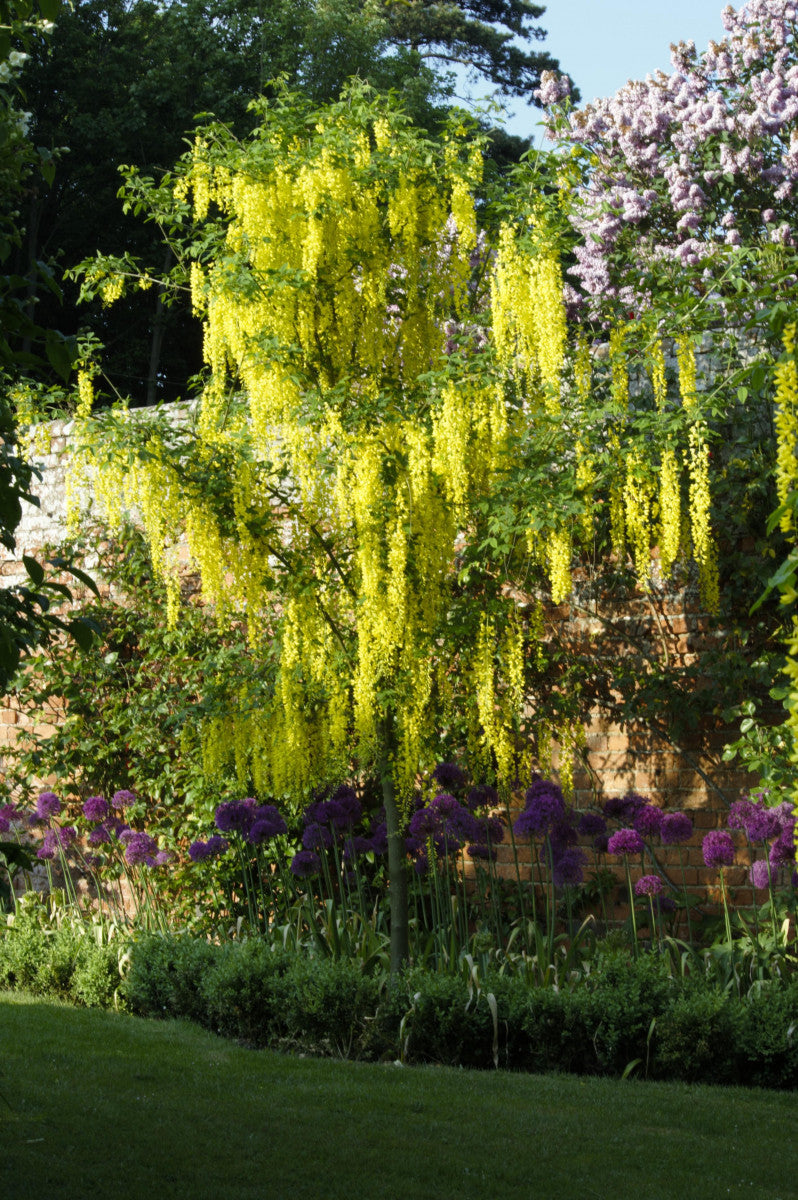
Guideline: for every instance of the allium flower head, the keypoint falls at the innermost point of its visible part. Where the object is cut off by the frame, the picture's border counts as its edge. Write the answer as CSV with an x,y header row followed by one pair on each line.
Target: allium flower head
x,y
487,853
568,867
304,864
140,848
124,798
623,808
99,835
235,816
648,820
676,827
96,808
718,848
591,824
355,847
544,806
267,824
648,885
49,846
482,796
317,837
760,873
47,805
343,810
449,775
625,841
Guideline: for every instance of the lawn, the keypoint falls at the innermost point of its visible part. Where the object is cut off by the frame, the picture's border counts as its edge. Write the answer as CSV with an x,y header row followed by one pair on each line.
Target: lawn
x,y
101,1104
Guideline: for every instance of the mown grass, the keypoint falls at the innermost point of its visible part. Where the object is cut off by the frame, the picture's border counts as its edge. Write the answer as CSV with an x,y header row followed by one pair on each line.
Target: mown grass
x,y
101,1104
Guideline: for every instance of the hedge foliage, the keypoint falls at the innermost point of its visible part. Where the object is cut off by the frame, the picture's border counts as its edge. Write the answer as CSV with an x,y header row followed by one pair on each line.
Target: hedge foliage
x,y
625,1016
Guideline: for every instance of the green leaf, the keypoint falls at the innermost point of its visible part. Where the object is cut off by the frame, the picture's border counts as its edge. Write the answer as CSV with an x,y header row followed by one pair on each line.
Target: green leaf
x,y
35,569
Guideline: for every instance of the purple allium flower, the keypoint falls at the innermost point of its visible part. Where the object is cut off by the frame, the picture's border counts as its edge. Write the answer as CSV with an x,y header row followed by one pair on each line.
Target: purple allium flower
x,y
623,808
49,846
625,841
48,805
449,775
317,837
95,808
568,867
342,810
355,847
676,827
5,824
162,858
760,873
479,851
124,798
140,848
544,806
99,835
379,838
215,845
648,885
783,849
66,836
482,796
591,824
267,824
648,820
600,843
304,864
236,816
718,848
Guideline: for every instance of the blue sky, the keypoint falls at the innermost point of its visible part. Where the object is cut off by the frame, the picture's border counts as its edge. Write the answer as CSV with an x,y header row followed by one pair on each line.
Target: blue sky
x,y
602,43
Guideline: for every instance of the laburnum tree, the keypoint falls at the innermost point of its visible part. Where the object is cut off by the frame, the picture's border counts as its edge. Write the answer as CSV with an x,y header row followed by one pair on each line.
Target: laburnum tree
x,y
396,452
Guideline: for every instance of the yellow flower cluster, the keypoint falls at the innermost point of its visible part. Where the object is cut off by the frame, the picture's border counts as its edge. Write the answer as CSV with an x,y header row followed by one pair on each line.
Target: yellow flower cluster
x,y
704,550
786,421
528,314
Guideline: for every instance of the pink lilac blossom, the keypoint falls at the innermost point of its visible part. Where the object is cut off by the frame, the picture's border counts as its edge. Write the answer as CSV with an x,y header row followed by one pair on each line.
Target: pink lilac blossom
x,y
672,157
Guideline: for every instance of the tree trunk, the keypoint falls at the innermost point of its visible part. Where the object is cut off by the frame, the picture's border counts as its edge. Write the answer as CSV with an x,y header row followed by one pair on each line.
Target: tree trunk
x,y
397,858
156,342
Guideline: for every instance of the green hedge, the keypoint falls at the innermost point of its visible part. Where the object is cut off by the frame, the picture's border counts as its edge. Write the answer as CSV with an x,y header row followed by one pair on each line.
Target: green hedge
x,y
625,1016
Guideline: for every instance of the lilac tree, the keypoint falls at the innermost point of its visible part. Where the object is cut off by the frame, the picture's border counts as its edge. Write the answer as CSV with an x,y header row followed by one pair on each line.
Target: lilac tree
x,y
688,170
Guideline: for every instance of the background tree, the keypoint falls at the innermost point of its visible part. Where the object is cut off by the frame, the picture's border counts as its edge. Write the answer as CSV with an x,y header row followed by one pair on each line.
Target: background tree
x,y
122,82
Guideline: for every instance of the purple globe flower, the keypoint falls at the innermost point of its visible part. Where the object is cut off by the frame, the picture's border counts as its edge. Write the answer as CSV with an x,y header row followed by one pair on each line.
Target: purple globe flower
x,y
99,835
48,805
591,824
267,824
718,848
343,810
96,808
379,837
66,836
449,775
625,841
568,867
5,824
317,837
482,796
304,864
676,827
161,859
648,885
217,845
236,816
759,823
355,847
198,851
140,848
760,873
783,849
623,808
124,798
488,853
544,806
648,820
49,846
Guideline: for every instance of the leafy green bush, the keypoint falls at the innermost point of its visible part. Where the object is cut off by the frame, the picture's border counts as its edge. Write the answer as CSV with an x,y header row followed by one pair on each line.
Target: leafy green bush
x,y
698,1038
166,977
